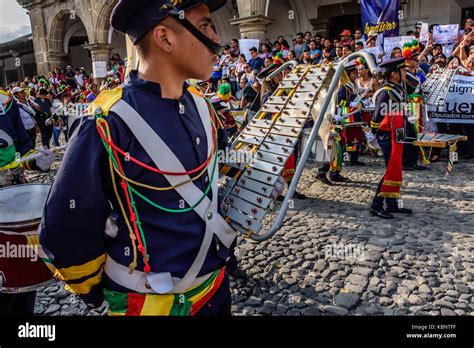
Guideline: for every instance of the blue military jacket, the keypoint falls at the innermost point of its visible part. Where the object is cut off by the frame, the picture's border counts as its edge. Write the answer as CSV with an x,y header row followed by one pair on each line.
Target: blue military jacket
x,y
80,201
11,123
387,92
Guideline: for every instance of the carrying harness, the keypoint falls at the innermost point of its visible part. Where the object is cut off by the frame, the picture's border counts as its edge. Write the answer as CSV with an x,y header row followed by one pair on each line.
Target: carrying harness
x,y
166,160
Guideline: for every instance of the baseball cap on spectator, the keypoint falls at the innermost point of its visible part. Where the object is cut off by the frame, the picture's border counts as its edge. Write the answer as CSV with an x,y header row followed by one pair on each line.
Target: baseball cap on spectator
x,y
346,33
17,90
43,91
372,33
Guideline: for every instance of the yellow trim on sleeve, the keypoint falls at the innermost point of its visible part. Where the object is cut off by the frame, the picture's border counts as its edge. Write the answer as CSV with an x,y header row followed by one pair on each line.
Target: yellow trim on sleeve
x,y
84,287
81,271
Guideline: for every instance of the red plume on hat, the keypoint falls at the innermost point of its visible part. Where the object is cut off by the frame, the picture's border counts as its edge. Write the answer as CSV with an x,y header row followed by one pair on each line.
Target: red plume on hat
x,y
410,49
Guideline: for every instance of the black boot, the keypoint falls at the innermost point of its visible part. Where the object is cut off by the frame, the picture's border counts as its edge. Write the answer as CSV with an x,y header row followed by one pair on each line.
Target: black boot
x,y
323,178
381,213
336,177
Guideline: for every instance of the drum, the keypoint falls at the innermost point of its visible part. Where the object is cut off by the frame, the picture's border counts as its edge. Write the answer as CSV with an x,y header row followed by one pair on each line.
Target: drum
x,y
323,155
21,268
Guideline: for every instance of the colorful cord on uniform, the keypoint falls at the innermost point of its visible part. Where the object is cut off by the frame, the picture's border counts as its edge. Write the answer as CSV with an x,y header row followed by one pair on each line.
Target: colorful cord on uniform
x,y
137,233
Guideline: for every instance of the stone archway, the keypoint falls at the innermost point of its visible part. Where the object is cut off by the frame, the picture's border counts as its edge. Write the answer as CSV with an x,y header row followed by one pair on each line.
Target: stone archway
x,y
103,21
66,36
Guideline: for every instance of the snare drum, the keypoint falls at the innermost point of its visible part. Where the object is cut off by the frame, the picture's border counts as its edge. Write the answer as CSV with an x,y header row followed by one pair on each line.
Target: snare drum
x,y
21,268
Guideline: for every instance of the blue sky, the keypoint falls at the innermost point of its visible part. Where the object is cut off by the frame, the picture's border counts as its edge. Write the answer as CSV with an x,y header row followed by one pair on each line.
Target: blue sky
x,y
14,22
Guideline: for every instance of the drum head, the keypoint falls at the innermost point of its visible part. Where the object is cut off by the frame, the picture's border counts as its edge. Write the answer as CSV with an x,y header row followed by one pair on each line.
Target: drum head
x,y
22,202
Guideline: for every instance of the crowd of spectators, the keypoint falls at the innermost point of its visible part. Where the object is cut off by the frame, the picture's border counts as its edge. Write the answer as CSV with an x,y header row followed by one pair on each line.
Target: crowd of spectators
x,y
45,100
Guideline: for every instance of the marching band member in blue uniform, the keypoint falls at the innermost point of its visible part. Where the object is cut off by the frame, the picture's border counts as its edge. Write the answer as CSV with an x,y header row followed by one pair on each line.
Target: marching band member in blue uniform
x,y
15,140
144,170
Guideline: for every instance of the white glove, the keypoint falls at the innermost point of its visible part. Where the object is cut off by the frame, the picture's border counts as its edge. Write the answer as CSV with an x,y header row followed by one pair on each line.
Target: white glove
x,y
370,137
279,187
338,118
45,161
354,104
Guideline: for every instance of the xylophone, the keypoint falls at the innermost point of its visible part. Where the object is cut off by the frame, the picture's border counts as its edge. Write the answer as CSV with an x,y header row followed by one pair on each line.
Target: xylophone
x,y
438,140
271,136
436,86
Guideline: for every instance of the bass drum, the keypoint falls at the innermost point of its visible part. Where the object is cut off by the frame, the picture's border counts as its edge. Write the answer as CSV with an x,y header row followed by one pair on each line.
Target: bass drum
x,y
21,266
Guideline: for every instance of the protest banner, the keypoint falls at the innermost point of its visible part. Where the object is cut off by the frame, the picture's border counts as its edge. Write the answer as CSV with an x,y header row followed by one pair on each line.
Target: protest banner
x,y
380,16
444,34
375,51
99,69
424,34
390,43
459,107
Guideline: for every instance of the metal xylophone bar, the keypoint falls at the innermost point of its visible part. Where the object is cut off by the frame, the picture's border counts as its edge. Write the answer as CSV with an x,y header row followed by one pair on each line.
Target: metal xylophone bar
x,y
246,198
319,116
273,141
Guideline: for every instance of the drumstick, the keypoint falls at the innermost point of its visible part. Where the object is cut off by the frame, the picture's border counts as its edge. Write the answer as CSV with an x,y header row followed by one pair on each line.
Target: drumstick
x,y
38,155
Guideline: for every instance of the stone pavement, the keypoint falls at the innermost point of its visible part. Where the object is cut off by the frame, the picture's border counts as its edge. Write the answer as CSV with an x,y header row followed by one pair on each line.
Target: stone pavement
x,y
332,257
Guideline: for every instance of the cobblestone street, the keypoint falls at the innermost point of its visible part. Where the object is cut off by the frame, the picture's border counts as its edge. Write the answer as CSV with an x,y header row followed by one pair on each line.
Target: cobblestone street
x,y
332,257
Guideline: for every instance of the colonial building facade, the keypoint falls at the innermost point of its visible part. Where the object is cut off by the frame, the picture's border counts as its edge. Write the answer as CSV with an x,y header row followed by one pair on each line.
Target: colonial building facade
x,y
78,32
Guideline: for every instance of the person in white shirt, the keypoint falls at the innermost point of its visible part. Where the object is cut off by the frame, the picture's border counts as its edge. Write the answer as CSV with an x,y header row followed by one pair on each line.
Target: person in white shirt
x,y
65,111
27,112
79,78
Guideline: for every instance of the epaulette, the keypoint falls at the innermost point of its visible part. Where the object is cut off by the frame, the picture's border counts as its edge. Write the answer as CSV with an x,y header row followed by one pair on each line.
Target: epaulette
x,y
393,93
105,100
